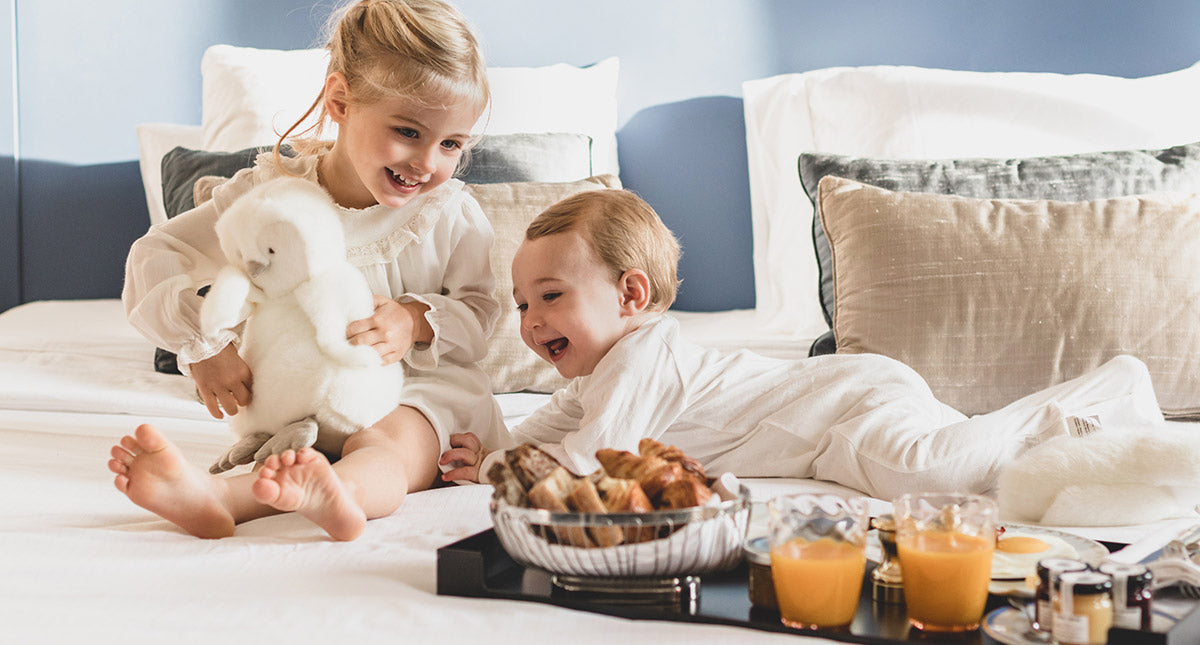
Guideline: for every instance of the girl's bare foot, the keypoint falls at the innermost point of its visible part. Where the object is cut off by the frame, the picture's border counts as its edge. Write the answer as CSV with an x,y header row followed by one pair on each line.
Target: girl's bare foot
x,y
305,482
154,475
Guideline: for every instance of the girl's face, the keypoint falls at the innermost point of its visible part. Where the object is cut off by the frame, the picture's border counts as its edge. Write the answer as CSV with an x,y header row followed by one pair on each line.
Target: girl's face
x,y
572,310
392,150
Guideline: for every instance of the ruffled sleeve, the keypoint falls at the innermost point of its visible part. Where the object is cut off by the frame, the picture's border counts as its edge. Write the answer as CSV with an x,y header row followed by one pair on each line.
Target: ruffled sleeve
x,y
166,269
464,312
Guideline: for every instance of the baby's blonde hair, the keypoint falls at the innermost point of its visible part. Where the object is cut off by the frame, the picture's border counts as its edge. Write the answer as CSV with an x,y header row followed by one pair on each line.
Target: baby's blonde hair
x,y
423,50
625,233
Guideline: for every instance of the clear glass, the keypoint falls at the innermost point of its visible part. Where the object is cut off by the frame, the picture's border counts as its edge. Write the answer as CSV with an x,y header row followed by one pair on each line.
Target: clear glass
x,y
945,543
818,556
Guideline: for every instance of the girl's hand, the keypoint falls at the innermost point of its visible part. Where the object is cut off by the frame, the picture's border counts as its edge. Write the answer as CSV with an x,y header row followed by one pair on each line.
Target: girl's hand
x,y
223,381
392,330
465,455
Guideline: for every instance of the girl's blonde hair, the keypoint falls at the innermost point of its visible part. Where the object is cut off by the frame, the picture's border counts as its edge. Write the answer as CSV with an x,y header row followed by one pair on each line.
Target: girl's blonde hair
x,y
625,233
423,50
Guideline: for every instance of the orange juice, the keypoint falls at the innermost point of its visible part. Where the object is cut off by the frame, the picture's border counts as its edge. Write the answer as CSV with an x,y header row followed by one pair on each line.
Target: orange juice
x,y
946,576
817,583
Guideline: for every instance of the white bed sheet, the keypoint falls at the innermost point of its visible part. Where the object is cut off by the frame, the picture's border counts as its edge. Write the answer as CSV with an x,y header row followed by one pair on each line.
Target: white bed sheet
x,y
80,563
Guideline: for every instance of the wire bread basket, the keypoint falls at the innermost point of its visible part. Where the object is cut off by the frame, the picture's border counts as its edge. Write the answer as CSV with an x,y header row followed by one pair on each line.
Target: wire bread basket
x,y
657,543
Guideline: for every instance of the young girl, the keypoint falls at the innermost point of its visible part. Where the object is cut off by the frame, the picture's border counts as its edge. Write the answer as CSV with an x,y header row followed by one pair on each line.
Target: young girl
x,y
406,83
593,279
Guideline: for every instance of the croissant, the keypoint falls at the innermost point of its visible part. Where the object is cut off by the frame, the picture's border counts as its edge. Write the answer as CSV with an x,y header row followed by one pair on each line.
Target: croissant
x,y
650,448
685,492
626,496
652,473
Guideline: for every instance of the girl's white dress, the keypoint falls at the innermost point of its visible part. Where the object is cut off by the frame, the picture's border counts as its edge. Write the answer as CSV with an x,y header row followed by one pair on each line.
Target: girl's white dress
x,y
865,421
434,250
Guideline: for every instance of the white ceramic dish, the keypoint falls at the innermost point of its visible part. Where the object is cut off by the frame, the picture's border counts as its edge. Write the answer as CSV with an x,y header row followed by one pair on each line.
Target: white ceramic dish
x,y
1088,550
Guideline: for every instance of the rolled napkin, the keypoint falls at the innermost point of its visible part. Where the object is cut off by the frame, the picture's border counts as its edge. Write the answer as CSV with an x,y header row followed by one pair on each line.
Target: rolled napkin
x,y
1115,476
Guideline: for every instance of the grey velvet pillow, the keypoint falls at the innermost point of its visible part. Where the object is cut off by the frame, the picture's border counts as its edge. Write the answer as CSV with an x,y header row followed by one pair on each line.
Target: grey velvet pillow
x,y
1100,175
544,157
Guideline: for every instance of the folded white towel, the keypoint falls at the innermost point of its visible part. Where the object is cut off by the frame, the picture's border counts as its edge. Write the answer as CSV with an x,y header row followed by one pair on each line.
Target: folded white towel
x,y
1117,476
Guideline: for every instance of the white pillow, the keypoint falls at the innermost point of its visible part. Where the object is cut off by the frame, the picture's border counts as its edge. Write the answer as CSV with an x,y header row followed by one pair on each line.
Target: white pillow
x,y
909,112
250,94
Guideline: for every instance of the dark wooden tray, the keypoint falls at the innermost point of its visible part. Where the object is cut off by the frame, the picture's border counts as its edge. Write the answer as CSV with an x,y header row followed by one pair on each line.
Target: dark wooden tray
x,y
479,567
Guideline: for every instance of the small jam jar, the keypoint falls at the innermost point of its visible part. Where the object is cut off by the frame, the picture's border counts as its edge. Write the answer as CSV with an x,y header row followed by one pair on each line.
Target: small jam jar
x,y
761,584
1132,594
1048,571
1083,608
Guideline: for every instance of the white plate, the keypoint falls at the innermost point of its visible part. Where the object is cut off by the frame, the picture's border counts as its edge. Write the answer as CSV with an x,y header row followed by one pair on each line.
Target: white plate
x,y
1087,550
1010,626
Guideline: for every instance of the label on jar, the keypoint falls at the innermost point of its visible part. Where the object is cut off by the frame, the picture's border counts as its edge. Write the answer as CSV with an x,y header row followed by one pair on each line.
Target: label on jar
x,y
1045,615
1127,617
1070,628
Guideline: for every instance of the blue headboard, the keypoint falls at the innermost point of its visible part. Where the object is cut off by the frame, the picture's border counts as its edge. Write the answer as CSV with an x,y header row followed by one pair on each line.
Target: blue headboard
x,y
71,199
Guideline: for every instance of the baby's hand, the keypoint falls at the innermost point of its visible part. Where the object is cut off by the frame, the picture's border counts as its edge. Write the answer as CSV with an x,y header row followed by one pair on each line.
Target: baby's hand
x,y
391,330
465,455
223,381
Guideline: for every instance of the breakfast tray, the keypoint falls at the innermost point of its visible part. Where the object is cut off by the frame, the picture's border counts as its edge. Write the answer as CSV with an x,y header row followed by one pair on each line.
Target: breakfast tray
x,y
479,567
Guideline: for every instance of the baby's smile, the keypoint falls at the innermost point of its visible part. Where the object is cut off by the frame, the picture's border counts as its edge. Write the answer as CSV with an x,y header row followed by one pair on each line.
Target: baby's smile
x,y
556,347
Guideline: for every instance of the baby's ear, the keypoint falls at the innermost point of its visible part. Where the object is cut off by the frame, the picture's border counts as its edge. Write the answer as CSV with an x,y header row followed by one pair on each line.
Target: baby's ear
x,y
635,291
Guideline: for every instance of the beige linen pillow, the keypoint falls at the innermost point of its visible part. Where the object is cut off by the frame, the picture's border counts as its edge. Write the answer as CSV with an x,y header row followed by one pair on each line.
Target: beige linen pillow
x,y
990,300
510,207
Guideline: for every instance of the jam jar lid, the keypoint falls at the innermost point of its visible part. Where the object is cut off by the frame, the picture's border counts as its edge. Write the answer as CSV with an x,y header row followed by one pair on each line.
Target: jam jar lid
x,y
758,551
1058,566
1131,572
1086,582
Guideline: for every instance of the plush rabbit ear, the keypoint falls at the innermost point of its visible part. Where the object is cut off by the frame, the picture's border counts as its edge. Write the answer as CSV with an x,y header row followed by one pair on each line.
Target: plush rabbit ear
x,y
227,302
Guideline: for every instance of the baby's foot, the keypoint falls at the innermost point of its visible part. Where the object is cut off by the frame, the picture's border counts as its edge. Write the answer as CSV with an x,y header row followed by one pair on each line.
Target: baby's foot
x,y
305,482
151,471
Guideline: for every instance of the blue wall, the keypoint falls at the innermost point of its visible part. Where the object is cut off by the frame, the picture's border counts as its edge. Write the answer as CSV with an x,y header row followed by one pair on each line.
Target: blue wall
x,y
89,72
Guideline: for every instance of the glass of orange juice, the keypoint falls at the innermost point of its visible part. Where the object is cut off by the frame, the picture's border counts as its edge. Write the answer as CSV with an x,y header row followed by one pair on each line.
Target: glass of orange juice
x,y
945,544
817,558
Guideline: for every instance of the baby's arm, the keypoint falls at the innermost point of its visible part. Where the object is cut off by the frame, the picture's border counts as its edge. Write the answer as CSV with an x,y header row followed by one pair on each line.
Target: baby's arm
x,y
466,455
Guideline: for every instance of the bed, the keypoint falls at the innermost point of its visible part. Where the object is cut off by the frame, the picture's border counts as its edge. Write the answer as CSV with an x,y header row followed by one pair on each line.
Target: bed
x,y
83,564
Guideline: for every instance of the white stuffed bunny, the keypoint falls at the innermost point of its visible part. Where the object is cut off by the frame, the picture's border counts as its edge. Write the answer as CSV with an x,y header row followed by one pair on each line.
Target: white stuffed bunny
x,y
289,280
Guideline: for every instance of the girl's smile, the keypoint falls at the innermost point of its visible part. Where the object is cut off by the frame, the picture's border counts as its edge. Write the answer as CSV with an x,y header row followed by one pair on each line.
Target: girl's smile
x,y
391,150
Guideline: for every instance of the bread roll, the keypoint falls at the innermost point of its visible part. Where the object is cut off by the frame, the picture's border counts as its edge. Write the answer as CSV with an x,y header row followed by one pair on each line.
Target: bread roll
x,y
508,486
552,493
585,498
530,464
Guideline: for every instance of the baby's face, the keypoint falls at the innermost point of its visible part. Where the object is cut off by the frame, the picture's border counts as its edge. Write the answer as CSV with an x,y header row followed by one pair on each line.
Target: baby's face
x,y
571,306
